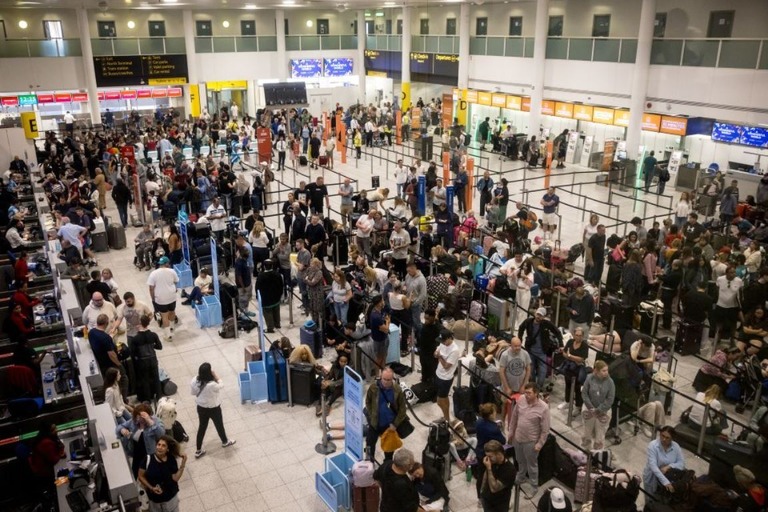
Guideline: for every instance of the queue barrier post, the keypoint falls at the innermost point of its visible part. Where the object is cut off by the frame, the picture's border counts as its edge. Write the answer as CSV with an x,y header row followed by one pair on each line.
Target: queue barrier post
x,y
326,446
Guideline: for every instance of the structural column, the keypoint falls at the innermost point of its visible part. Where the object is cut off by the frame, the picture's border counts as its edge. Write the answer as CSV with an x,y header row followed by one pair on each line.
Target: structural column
x,y
463,82
640,76
405,74
192,100
361,56
88,66
539,56
282,59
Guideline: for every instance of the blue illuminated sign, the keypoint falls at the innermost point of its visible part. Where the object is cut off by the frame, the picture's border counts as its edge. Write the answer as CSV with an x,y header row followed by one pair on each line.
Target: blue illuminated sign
x,y
306,68
754,136
337,67
724,132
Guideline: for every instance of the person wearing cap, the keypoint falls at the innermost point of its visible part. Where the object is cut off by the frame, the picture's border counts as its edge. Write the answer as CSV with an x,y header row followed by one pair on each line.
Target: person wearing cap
x,y
751,495
542,338
498,478
528,431
554,499
447,355
162,289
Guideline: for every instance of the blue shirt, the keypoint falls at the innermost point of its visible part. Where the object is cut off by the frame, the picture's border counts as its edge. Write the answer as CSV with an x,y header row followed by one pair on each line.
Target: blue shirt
x,y
377,320
487,431
386,414
658,457
101,344
549,198
243,273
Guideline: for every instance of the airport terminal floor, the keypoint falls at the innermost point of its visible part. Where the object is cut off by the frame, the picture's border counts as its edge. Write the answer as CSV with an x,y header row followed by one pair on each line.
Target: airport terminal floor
x,y
272,466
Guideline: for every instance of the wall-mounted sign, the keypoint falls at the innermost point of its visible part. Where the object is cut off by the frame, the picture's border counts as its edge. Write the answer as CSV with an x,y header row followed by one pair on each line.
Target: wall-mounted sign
x,y
621,118
226,84
27,99
484,98
673,125
725,132
582,112
338,67
514,102
377,60
112,95
129,94
526,106
159,93
754,136
144,93
306,68
651,122
602,115
548,108
79,97
499,100
175,92
9,101
563,109
140,70
445,64
472,96
421,63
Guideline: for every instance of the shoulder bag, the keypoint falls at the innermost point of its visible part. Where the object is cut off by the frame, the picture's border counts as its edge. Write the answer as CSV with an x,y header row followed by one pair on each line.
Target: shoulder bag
x,y
405,428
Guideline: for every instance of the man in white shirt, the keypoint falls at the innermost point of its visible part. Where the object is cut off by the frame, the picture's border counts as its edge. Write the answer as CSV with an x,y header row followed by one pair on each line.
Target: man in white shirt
x,y
447,355
511,266
364,227
438,194
726,313
369,133
69,122
401,178
217,216
96,307
162,289
132,310
399,241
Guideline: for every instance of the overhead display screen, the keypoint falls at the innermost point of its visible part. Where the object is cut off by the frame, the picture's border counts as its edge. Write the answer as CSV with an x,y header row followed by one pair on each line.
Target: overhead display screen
x,y
724,132
754,136
141,70
421,63
306,68
337,67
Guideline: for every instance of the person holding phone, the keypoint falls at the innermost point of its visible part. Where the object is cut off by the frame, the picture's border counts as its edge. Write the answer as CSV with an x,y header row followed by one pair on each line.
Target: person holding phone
x,y
161,475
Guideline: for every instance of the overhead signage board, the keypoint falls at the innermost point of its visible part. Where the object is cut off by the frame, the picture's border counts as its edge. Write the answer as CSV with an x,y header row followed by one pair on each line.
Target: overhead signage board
x,y
421,63
499,100
27,99
651,122
563,109
725,132
754,136
547,108
602,115
377,60
445,64
128,70
306,68
484,98
621,118
514,102
338,67
582,112
673,125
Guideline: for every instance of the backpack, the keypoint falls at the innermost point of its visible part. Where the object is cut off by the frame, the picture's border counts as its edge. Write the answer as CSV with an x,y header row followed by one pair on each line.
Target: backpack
x,y
170,210
664,176
439,438
228,328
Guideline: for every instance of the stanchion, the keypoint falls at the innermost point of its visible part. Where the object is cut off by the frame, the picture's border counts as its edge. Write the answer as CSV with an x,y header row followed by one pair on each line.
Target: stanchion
x,y
516,503
290,308
288,378
234,317
570,402
557,308
326,446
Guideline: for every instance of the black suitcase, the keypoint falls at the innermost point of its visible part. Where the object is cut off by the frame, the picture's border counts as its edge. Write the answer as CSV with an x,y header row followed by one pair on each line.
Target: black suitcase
x,y
302,382
425,391
116,236
463,407
179,432
441,463
726,455
688,337
303,160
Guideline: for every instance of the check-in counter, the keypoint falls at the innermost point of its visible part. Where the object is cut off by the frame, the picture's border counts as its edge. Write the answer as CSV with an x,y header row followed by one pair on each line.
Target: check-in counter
x,y
70,307
48,372
57,264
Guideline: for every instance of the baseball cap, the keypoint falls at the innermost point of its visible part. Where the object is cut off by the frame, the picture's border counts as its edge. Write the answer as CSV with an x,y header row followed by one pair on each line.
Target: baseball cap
x,y
557,499
541,311
164,260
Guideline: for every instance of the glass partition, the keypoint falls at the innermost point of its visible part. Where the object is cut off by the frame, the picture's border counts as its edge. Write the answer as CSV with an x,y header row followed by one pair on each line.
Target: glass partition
x,y
223,44
267,43
666,52
739,54
477,45
151,45
580,49
514,47
607,50
628,51
175,45
203,45
247,43
557,48
495,46
293,43
101,47
700,53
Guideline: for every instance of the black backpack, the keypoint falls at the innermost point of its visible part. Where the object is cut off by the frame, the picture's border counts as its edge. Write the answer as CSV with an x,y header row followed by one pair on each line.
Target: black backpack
x,y
170,210
439,439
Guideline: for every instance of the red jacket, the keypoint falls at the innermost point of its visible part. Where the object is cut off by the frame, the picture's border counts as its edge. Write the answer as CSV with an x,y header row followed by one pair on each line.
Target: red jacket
x,y
26,302
20,270
44,457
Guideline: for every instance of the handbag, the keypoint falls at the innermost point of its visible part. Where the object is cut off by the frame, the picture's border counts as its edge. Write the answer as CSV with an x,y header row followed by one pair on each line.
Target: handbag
x,y
609,493
405,428
584,370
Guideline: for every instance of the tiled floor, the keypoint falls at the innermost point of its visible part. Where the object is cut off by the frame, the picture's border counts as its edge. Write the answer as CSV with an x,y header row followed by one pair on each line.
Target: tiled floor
x,y
272,466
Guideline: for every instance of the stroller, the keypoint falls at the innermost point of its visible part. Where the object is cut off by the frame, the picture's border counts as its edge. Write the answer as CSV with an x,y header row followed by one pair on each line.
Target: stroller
x,y
748,384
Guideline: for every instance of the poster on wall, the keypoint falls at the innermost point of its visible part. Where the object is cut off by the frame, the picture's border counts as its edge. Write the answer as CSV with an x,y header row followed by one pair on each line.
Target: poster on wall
x,y
573,143
675,159
338,67
621,150
609,150
306,68
586,151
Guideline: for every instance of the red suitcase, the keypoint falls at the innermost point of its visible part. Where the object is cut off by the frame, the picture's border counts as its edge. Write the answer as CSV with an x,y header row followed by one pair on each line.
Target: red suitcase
x,y
323,160
365,499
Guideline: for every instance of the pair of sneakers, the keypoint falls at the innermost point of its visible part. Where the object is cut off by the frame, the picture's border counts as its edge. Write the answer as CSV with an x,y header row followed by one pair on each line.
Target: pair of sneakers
x,y
531,490
200,453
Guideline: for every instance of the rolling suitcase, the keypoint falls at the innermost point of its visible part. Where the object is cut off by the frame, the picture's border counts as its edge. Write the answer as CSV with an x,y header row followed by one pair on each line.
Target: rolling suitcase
x,y
323,160
366,499
303,390
393,349
277,377
99,242
547,460
441,463
726,455
580,493
116,236
252,353
688,337
425,391
312,338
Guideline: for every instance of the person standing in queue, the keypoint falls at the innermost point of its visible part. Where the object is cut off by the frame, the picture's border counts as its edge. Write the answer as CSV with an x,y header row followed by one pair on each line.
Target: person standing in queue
x,y
498,479
379,322
386,408
398,493
161,475
207,390
597,394
528,431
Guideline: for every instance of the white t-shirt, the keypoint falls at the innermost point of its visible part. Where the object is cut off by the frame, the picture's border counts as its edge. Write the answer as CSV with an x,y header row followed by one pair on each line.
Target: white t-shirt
x,y
164,280
451,354
697,411
339,292
728,292
366,221
220,223
69,118
401,240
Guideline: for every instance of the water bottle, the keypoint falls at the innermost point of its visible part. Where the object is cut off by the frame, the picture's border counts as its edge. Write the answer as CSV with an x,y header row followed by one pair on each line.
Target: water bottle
x,y
468,473
48,392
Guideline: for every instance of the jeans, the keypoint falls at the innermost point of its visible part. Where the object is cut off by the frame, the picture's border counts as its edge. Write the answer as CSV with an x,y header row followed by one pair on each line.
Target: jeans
x,y
244,296
122,210
596,272
538,366
210,413
304,144
286,273
401,190
195,296
461,197
272,317
364,244
226,201
416,319
528,460
341,309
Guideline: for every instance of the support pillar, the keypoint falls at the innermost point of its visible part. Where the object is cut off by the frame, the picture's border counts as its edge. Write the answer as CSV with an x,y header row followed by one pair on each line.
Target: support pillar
x,y
640,76
192,101
539,54
88,67
282,59
361,56
405,46
463,81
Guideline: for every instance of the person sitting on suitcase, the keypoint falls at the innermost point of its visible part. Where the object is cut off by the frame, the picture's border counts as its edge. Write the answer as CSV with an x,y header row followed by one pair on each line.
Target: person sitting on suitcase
x,y
331,383
433,494
386,409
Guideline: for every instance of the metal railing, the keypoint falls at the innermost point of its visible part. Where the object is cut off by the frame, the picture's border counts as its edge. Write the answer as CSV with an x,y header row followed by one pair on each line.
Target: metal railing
x,y
114,46
714,53
235,44
22,48
327,42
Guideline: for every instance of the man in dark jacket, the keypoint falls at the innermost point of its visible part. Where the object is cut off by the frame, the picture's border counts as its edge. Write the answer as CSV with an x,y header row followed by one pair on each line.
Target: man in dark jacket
x,y
270,285
398,494
542,337
427,343
386,409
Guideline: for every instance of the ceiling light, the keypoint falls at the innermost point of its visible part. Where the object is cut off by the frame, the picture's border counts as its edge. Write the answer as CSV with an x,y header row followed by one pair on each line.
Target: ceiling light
x,y
389,4
249,6
131,24
289,2
225,24
22,24
168,1
309,23
379,14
